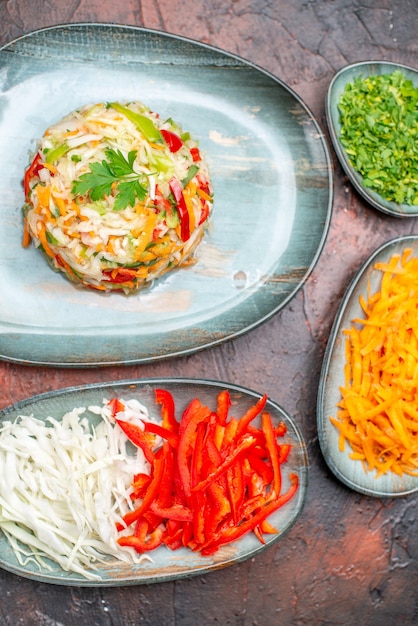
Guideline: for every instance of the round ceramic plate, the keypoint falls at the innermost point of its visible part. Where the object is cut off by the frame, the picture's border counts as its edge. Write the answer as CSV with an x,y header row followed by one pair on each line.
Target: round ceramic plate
x,y
335,90
332,378
271,174
166,564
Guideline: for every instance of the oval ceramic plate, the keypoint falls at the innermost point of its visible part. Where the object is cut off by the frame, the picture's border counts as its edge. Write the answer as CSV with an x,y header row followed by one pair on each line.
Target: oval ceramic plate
x,y
336,88
271,174
332,378
167,564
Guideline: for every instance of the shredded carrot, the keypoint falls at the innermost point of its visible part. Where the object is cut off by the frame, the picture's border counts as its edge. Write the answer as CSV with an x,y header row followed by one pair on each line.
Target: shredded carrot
x,y
376,415
188,193
43,239
204,195
26,235
44,195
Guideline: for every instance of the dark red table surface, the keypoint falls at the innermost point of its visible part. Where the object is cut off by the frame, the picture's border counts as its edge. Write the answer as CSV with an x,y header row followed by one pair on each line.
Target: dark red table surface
x,y
350,559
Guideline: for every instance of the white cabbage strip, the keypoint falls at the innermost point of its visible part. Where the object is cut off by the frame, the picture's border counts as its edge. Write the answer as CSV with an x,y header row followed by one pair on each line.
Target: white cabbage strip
x,y
64,487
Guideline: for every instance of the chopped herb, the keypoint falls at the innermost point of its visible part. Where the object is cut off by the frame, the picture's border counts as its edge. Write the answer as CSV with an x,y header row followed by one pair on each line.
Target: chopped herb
x,y
379,131
117,172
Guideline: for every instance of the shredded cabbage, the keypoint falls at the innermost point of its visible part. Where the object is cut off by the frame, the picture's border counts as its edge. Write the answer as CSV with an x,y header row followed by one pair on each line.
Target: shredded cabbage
x,y
65,484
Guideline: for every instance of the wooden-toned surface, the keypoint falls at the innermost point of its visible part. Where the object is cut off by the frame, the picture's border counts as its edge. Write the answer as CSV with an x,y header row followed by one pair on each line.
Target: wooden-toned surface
x,y
349,559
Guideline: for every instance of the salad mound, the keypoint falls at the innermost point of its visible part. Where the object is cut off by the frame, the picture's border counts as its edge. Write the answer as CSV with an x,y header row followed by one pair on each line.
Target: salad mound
x,y
115,197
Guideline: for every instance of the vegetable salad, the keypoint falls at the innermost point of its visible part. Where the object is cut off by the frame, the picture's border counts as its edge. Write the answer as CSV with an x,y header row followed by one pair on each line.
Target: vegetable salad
x,y
116,197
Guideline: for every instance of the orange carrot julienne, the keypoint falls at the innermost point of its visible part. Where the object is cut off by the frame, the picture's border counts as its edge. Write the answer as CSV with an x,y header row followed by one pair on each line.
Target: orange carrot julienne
x,y
376,415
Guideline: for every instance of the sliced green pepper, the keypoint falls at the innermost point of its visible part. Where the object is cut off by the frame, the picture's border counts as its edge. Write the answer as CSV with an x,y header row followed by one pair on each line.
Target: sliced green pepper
x,y
53,155
144,124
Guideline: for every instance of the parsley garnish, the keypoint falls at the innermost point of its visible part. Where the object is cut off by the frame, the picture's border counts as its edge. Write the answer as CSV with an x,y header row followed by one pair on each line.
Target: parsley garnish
x,y
116,172
379,130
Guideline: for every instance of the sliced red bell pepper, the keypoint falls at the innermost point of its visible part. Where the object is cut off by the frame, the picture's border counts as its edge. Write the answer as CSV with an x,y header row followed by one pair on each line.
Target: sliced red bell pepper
x,y
195,152
243,445
182,210
176,512
281,429
223,405
271,445
173,537
154,540
197,500
32,171
204,214
236,489
139,485
284,451
116,406
252,413
152,491
119,275
166,400
172,140
234,532
186,445
215,486
260,467
156,429
165,496
138,437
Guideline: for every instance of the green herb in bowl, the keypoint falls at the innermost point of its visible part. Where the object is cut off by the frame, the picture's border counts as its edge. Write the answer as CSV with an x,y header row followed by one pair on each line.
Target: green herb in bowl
x,y
379,131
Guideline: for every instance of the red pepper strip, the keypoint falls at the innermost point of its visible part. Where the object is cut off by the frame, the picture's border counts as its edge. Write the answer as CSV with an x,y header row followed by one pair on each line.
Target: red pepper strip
x,y
166,400
212,454
204,212
154,540
119,275
236,489
176,512
172,140
261,468
31,172
219,509
267,528
182,210
187,533
173,537
195,154
141,529
250,415
152,519
273,452
257,532
185,447
232,533
140,485
156,429
116,406
159,467
230,433
253,505
138,437
243,445
224,402
284,451
281,429
198,500
188,413
164,497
